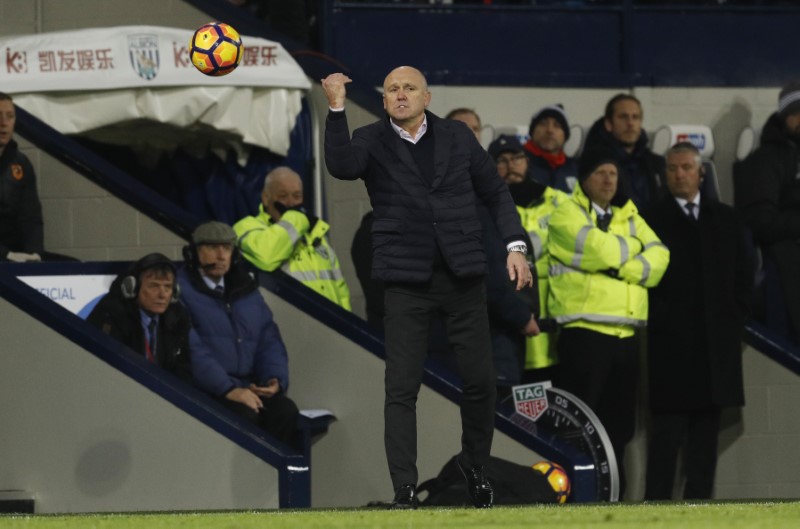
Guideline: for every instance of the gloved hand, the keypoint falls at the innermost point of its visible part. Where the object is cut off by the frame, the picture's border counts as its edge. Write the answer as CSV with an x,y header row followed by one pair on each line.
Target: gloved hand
x,y
283,208
22,257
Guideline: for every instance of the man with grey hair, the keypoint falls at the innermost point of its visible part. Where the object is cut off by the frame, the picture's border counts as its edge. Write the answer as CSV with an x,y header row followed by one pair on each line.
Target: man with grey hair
x,y
286,235
695,328
767,192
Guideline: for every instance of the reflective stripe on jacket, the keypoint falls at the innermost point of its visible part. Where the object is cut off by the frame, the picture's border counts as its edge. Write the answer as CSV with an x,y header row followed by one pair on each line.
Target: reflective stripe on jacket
x,y
289,245
540,350
599,280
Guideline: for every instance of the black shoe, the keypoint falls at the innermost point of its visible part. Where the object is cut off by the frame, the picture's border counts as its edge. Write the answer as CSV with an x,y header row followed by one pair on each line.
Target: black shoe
x,y
479,488
405,497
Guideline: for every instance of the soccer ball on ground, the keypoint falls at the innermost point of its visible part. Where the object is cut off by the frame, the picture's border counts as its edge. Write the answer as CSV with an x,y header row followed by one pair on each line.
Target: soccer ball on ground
x,y
556,477
216,49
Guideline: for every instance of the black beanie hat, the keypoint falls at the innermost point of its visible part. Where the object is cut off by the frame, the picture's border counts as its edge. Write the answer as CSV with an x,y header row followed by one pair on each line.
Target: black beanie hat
x,y
551,111
789,99
590,161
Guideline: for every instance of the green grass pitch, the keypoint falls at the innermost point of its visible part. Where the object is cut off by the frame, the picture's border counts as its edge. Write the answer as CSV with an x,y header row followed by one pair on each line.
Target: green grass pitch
x,y
767,515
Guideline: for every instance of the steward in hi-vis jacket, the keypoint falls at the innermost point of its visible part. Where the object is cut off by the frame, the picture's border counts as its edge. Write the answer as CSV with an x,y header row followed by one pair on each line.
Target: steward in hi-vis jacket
x,y
604,257
539,350
283,235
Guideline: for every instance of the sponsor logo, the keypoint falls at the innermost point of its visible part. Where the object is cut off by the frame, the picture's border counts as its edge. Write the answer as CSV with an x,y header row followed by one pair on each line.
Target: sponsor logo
x,y
16,171
695,138
530,400
143,51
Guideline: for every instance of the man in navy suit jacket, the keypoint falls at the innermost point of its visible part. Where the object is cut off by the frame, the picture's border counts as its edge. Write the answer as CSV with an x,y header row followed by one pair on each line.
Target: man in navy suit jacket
x,y
424,176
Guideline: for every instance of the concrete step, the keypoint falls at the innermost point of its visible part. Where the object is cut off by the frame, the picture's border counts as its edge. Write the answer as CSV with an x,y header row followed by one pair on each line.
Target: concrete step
x,y
16,501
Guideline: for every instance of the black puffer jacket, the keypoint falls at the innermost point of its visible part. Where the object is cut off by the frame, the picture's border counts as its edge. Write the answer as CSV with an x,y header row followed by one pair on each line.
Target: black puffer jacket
x,y
414,216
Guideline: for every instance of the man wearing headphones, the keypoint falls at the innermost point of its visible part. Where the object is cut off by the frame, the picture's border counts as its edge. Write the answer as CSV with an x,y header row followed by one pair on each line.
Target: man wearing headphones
x,y
237,352
140,310
695,329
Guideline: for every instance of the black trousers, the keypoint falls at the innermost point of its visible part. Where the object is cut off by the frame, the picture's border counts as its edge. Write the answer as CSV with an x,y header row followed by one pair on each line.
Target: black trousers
x,y
699,430
410,309
603,371
278,417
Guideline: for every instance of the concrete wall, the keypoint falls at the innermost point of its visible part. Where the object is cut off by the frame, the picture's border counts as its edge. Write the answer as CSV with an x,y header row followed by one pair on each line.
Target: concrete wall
x,y
83,437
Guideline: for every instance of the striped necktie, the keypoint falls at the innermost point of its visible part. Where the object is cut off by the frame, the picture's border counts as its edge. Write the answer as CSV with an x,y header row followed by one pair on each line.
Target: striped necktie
x,y
690,209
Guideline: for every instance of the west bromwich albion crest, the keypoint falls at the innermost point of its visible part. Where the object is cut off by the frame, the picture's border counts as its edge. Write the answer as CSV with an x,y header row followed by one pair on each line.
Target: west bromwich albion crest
x,y
143,50
530,400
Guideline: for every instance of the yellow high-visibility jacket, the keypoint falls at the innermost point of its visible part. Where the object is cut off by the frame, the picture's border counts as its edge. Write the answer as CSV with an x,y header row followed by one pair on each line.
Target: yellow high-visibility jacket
x,y
305,255
599,280
539,350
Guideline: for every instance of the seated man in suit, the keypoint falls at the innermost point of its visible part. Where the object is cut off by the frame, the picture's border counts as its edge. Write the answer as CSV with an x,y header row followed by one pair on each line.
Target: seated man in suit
x,y
140,310
238,355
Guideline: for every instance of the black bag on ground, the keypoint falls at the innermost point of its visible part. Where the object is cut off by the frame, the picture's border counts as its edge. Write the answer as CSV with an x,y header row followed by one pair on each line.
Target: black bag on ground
x,y
513,485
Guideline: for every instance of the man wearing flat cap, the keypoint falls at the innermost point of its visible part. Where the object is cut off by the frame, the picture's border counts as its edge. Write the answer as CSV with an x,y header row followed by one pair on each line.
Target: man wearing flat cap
x,y
239,356
604,257
767,192
549,165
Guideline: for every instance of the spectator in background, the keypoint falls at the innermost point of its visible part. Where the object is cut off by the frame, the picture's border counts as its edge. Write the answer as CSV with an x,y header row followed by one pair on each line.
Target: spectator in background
x,y
535,203
695,328
619,136
286,235
767,192
141,311
468,116
21,225
237,352
604,257
549,165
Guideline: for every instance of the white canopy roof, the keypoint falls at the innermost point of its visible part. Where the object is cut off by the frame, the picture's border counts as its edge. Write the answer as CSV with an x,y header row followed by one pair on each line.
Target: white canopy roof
x,y
93,81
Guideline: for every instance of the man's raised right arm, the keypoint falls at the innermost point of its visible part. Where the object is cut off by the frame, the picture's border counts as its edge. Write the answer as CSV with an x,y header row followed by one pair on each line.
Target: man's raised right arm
x,y
343,159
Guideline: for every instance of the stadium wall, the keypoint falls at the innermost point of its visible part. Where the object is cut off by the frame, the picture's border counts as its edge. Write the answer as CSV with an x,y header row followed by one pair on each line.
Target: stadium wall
x,y
82,437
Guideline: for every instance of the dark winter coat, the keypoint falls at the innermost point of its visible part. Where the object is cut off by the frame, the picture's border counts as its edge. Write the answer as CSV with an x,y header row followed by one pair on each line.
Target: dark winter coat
x,y
564,177
768,186
414,215
21,226
120,318
643,172
234,340
509,309
698,311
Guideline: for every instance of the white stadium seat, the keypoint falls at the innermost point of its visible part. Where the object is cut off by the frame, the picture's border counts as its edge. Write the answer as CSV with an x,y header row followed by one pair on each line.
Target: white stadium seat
x,y
574,144
748,141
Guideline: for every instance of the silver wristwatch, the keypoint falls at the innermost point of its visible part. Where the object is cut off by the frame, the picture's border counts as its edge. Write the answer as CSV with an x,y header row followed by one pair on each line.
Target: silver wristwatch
x,y
521,248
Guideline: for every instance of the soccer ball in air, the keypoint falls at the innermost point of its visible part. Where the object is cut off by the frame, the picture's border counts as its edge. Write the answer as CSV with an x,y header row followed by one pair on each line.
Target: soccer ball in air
x,y
216,49
556,477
